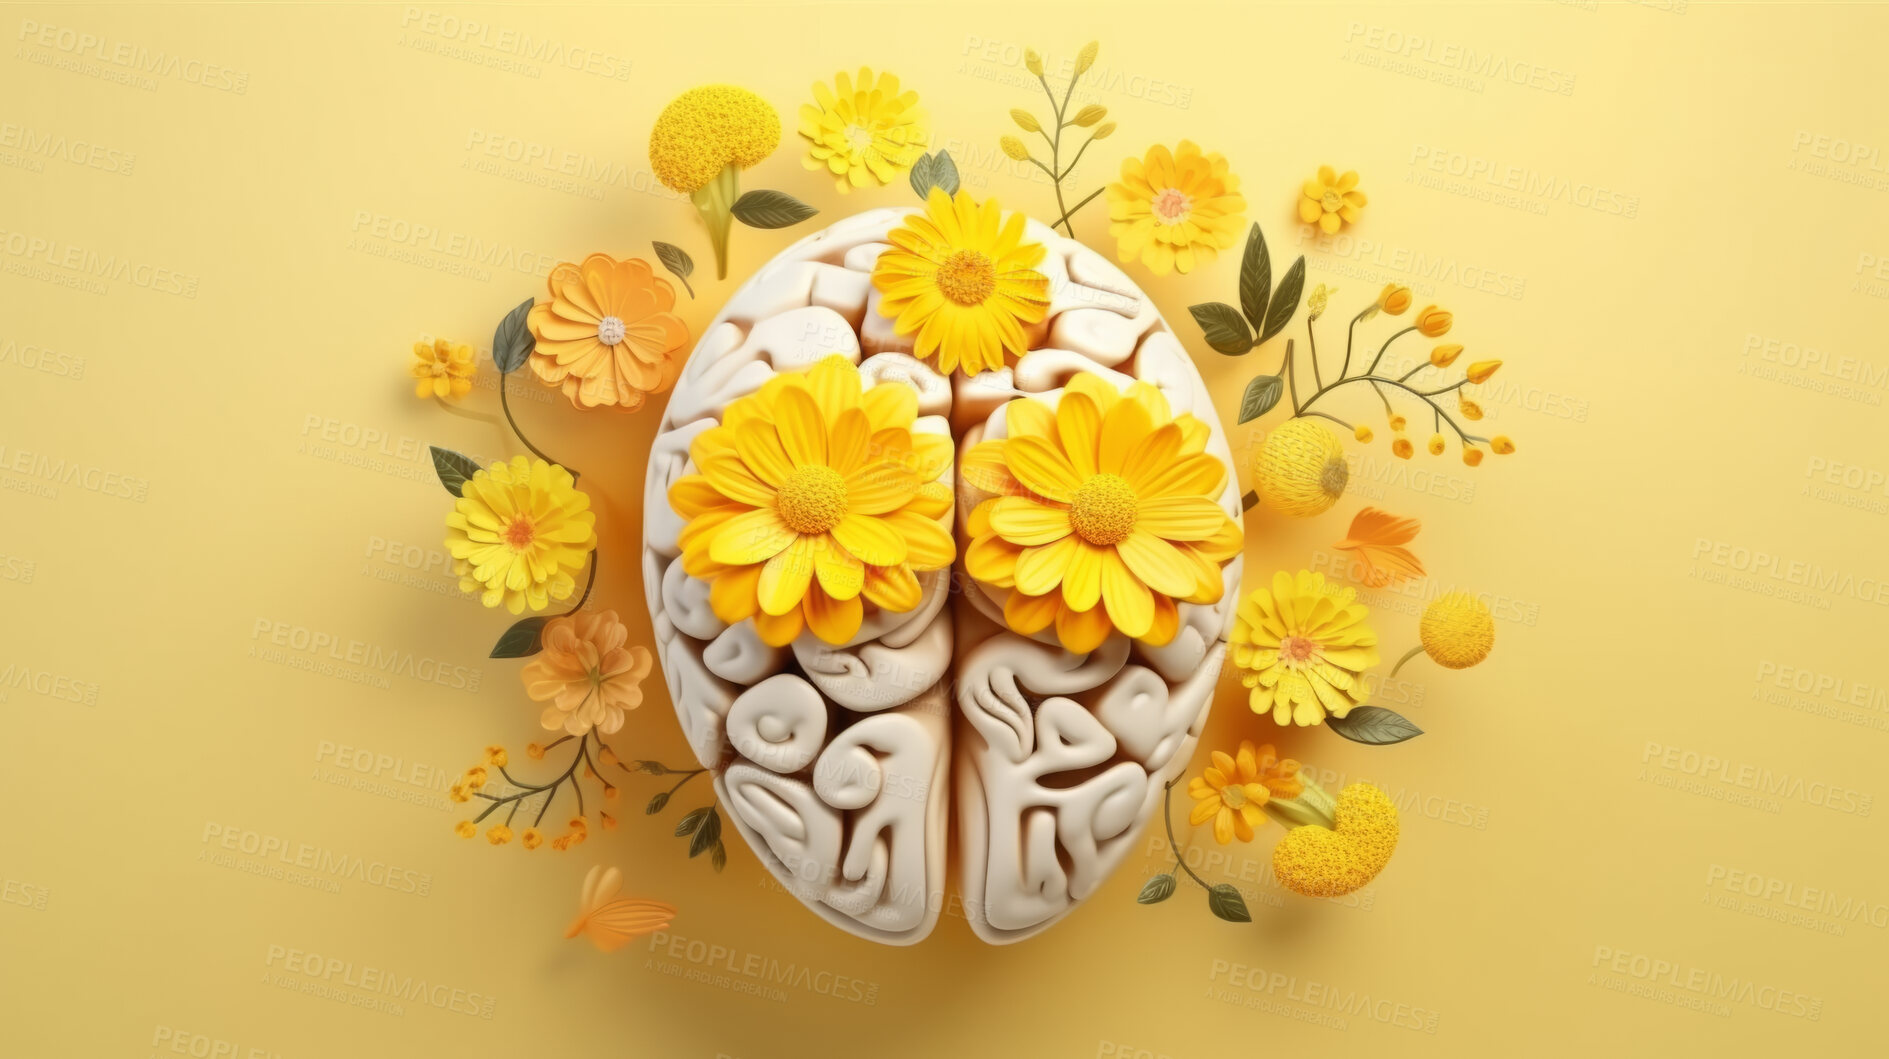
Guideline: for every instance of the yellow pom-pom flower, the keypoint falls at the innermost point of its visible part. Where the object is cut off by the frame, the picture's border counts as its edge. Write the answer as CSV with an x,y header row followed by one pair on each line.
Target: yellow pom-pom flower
x,y
1106,515
1301,646
863,129
815,496
963,279
1401,448
1436,445
1457,630
1175,209
519,532
465,829
443,369
1300,470
1233,791
498,834
1337,847
701,142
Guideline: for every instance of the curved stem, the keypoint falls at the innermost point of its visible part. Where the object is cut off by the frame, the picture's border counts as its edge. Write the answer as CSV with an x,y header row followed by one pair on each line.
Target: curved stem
x,y
1311,340
1408,655
1351,335
1387,345
1292,382
1167,817
467,413
1333,418
588,585
505,403
1064,219
1078,158
1377,381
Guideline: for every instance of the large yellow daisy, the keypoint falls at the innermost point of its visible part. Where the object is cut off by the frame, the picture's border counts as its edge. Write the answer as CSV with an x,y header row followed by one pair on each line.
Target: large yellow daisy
x,y
861,130
1175,209
1105,517
518,533
964,279
1302,646
816,496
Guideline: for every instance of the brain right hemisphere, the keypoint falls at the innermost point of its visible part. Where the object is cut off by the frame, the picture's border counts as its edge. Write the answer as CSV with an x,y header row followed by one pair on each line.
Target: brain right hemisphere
x,y
852,768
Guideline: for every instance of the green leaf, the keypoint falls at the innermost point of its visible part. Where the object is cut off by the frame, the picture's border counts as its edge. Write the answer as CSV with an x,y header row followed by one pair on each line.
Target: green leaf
x,y
1261,394
944,173
654,768
1224,328
677,261
1224,901
688,824
452,467
1373,725
1156,890
708,836
771,209
1255,277
521,639
512,342
1285,300
655,804
921,176
719,858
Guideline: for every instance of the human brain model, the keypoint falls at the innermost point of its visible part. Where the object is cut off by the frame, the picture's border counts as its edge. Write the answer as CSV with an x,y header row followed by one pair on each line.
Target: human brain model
x,y
892,708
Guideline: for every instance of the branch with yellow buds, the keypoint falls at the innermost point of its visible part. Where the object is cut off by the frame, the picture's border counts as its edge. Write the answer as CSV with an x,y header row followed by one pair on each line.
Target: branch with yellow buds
x,y
1089,117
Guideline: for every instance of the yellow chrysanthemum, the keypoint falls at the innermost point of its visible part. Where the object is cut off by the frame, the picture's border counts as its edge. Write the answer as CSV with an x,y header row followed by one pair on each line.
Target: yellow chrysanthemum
x,y
1300,470
1331,201
701,142
1106,515
443,369
1457,630
815,496
1301,646
1175,210
862,130
964,279
521,530
1342,853
1234,789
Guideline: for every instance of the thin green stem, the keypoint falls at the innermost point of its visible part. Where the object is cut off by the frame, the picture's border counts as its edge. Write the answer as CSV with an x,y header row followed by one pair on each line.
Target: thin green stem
x,y
589,584
1387,344
1064,219
1311,340
506,404
1351,334
1292,382
1072,162
1408,655
1167,817
1333,418
1378,382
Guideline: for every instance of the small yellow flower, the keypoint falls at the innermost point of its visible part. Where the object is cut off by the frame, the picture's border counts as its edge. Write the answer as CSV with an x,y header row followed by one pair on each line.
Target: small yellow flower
x,y
443,369
496,757
1445,355
1233,789
1434,322
1472,456
475,777
1089,115
1350,842
1363,433
1397,422
532,838
1014,148
862,130
1315,303
465,829
609,822
606,756
579,824
1301,645
1175,209
561,843
1401,448
519,532
1501,445
1394,299
1103,131
1457,630
699,145
1086,57
1436,444
609,794
1331,201
498,834
1025,120
458,792
534,751
1032,61
1471,410
1301,469
1480,371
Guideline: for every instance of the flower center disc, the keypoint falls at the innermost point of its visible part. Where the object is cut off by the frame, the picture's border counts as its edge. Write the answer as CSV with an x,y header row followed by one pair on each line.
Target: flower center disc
x,y
813,499
1233,795
520,533
967,277
1296,649
858,138
1171,206
1103,510
1332,201
610,331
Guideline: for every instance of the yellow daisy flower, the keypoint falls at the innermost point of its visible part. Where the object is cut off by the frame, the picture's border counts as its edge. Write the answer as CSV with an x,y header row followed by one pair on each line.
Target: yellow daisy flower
x,y
443,369
1302,646
862,130
1111,499
518,533
1232,791
1331,201
964,279
815,496
1175,210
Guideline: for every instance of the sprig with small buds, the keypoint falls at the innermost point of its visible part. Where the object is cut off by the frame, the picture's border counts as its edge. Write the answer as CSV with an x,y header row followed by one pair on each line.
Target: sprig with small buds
x,y
1089,117
522,796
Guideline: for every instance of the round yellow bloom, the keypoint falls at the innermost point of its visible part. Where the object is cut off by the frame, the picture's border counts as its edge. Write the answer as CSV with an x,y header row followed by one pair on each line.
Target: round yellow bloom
x,y
1457,630
1471,410
1445,355
814,497
1363,433
1401,448
474,777
1300,470
1320,861
1501,445
1232,791
518,533
498,834
443,369
1331,201
531,838
1175,209
1433,322
964,279
1436,445
708,129
1302,645
465,829
1105,515
1472,456
863,129
606,334
1394,299
496,757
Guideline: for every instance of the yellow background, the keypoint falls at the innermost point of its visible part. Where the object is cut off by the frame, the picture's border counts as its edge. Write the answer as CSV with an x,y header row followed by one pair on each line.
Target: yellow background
x,y
1675,257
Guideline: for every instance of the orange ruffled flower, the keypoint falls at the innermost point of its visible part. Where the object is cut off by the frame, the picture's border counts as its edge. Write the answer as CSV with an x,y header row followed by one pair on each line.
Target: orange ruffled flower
x,y
585,674
606,336
1106,515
